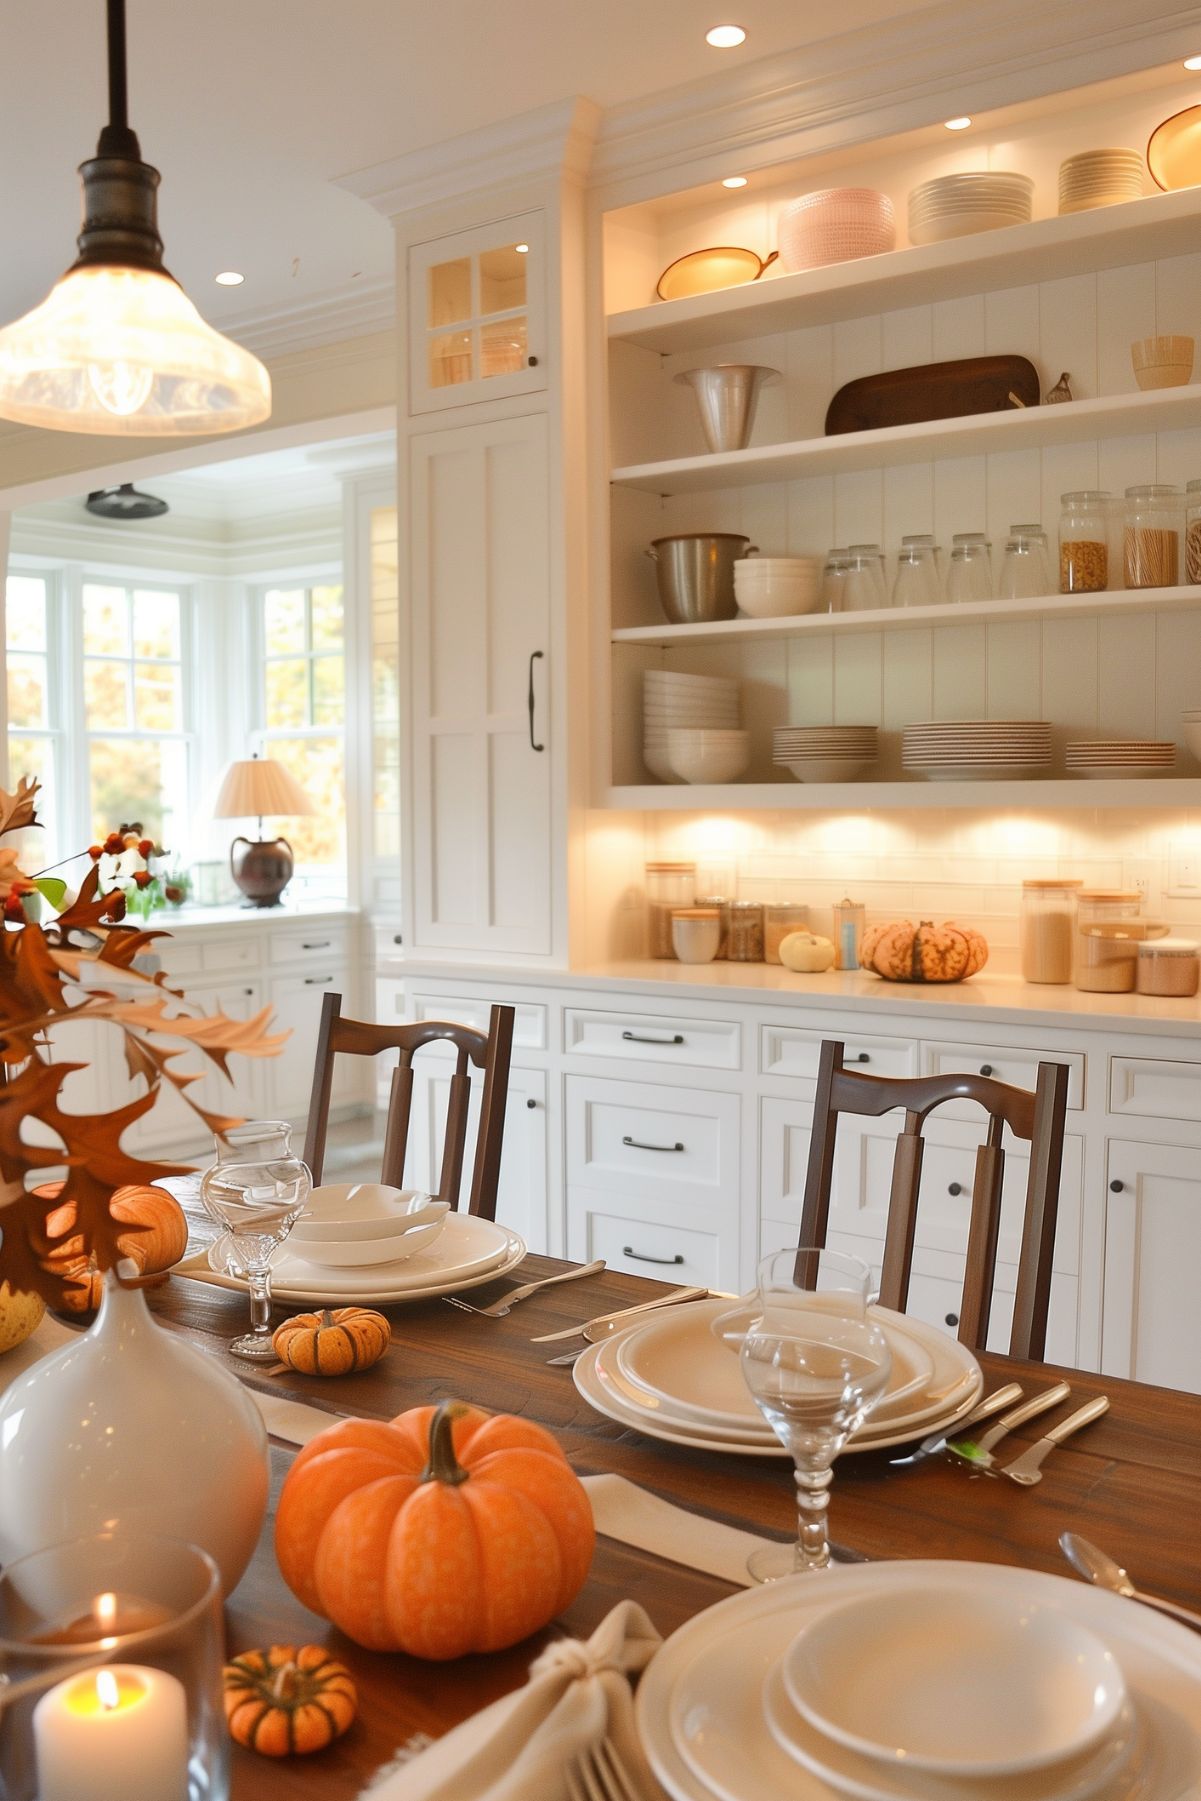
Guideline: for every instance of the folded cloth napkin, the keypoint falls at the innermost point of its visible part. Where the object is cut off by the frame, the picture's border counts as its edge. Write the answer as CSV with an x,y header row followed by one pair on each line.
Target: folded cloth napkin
x,y
519,1748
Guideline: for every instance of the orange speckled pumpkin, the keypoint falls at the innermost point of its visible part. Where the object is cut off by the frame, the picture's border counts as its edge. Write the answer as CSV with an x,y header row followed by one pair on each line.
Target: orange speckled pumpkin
x,y
443,1531
162,1243
285,1701
903,952
333,1342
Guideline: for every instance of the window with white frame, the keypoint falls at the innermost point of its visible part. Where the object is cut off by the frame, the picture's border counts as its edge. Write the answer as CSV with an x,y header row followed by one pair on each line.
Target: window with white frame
x,y
34,703
303,702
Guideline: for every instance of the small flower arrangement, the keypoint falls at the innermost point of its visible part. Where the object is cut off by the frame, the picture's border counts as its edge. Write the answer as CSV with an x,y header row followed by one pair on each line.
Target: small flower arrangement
x,y
125,863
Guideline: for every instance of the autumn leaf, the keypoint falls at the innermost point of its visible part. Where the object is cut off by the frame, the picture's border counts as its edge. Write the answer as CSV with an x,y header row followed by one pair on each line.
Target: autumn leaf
x,y
17,810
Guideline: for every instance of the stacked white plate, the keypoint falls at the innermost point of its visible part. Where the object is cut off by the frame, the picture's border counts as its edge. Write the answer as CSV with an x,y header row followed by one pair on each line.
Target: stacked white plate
x,y
1099,178
951,750
465,1252
799,1691
670,1377
672,702
952,206
1099,757
825,753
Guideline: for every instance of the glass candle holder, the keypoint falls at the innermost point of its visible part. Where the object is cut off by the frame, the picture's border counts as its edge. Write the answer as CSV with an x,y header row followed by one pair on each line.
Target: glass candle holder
x,y
111,1649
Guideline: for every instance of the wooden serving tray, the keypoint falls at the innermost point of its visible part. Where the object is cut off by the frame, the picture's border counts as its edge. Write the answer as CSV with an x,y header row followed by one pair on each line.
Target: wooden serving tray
x,y
973,384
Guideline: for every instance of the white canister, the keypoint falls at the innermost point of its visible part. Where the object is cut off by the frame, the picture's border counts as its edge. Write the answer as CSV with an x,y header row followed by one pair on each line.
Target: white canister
x,y
695,933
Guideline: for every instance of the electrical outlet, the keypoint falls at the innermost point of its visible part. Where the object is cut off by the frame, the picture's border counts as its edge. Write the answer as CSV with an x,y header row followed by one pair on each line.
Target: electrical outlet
x,y
1184,877
1135,875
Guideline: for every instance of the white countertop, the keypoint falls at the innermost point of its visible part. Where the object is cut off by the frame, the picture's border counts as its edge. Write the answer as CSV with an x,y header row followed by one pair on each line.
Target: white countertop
x,y
184,919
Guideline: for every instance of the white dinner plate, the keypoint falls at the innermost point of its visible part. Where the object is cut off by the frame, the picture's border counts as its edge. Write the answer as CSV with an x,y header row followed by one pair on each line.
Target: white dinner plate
x,y
701,1701
677,1359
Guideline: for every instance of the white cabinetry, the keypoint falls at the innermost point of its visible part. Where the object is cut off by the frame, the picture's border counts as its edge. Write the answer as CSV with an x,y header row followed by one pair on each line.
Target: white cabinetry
x,y
521,1194
477,311
481,735
1152,1255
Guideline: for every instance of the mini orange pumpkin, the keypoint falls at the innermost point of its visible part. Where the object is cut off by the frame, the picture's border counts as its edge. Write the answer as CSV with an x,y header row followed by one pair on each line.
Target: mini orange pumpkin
x,y
333,1342
903,952
286,1701
443,1531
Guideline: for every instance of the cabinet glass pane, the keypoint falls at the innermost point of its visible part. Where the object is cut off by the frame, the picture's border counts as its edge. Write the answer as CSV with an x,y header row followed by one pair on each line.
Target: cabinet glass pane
x,y
450,359
502,347
502,279
450,292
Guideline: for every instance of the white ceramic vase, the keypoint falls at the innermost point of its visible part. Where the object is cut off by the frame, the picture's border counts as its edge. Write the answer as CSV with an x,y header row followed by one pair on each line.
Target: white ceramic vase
x,y
132,1427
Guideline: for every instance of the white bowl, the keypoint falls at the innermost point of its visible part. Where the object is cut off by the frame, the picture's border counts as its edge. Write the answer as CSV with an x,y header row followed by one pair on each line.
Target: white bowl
x,y
722,760
954,1683
829,769
358,1253
781,605
342,1210
1192,736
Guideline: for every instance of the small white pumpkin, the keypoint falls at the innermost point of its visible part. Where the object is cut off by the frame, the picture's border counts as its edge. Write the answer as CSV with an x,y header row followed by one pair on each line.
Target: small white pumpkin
x,y
806,953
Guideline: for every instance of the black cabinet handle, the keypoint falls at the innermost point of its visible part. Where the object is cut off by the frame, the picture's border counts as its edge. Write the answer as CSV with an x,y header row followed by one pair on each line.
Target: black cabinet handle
x,y
986,1069
637,1145
248,992
638,1038
862,1057
952,1319
954,1187
532,362
627,1250
531,1103
316,944
1116,1186
398,937
534,745
316,981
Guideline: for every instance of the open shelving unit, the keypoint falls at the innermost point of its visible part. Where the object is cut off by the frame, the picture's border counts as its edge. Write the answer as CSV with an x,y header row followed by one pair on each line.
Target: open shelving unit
x,y
858,797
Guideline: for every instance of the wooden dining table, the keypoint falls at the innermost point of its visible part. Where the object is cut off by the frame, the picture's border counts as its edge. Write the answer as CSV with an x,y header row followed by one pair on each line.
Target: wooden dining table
x,y
1131,1482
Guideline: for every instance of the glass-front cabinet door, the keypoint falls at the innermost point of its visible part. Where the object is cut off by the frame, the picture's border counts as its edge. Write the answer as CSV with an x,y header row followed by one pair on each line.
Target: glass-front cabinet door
x,y
477,309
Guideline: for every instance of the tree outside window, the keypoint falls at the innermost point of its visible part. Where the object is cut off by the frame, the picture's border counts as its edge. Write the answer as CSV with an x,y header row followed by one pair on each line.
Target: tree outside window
x,y
304,688
134,709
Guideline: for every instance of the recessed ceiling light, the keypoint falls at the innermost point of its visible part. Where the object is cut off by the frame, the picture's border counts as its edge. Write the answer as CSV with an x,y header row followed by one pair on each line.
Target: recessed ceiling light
x,y
726,37
1192,62
733,181
521,249
960,124
229,278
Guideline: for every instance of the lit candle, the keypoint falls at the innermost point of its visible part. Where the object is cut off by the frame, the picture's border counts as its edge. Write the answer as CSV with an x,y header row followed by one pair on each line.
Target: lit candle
x,y
115,1734
112,1617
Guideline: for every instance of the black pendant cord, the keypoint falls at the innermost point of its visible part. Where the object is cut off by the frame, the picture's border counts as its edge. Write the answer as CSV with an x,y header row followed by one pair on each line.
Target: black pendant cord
x,y
118,90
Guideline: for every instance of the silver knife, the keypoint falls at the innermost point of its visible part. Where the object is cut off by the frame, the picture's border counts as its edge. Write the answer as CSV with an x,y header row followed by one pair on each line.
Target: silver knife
x,y
934,1441
603,1319
1027,1469
979,1450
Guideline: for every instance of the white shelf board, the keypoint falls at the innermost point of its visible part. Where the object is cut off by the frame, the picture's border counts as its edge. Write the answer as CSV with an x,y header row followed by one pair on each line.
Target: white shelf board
x,y
859,797
1106,238
1047,606
1117,415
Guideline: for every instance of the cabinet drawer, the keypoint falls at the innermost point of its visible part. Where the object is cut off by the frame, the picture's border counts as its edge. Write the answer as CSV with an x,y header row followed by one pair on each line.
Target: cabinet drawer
x,y
631,1138
308,944
1007,1063
1155,1090
668,1253
229,953
177,956
389,943
937,1300
792,1051
654,1038
529,1024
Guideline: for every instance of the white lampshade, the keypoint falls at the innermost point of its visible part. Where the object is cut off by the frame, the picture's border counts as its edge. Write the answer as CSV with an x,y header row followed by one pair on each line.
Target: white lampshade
x,y
124,351
257,786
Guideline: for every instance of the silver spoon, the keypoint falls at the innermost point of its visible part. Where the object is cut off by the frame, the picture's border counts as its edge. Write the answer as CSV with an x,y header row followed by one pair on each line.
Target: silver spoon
x,y
1096,1567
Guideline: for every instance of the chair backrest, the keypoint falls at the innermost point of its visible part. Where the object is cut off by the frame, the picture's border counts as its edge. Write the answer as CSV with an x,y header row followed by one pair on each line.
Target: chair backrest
x,y
488,1051
1037,1117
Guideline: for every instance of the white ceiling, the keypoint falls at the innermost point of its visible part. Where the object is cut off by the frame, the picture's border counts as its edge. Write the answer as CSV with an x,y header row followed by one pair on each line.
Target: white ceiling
x,y
251,109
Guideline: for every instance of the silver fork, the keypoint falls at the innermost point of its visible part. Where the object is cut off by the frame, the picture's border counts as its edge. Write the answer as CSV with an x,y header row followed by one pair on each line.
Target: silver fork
x,y
599,1774
498,1309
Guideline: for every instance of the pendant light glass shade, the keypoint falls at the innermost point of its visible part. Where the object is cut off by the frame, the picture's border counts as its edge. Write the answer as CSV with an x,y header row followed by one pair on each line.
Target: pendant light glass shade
x,y
124,351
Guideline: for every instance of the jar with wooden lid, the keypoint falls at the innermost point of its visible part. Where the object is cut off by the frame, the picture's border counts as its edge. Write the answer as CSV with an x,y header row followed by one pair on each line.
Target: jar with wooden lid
x,y
779,919
1107,955
1170,967
1192,531
1096,908
1154,517
721,903
668,885
1084,541
1046,926
745,940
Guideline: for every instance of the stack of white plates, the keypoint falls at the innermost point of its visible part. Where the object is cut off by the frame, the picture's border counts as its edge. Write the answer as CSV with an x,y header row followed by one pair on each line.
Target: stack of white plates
x,y
924,1681
825,753
670,1377
1098,757
678,703
952,206
951,750
1099,178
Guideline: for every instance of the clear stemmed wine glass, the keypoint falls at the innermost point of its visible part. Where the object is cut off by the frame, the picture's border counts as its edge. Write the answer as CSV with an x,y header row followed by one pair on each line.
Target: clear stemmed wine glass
x,y
815,1360
256,1189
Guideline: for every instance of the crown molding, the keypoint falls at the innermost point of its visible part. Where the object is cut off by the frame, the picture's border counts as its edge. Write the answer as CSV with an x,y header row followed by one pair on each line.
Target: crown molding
x,y
353,311
551,140
180,553
899,75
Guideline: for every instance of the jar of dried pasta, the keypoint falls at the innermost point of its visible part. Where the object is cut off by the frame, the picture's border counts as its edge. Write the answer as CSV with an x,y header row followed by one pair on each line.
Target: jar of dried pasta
x,y
744,942
1170,967
1084,541
1154,518
1192,532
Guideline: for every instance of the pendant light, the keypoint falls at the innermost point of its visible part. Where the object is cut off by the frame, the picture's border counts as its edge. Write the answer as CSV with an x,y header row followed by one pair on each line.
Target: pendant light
x,y
117,347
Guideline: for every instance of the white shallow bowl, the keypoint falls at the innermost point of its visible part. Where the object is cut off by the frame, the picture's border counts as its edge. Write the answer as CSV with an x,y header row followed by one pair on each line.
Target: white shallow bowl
x,y
362,1253
953,1683
723,760
829,769
767,602
342,1210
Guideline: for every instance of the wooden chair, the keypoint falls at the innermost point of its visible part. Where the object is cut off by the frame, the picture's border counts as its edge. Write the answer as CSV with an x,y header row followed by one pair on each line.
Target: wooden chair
x,y
1037,1117
489,1052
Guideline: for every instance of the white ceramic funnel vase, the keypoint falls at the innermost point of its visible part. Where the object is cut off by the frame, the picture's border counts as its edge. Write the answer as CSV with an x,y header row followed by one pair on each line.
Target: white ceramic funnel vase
x,y
132,1427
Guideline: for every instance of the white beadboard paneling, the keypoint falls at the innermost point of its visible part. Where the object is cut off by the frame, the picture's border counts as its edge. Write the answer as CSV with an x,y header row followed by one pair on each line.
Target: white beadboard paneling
x,y
959,327
764,684
908,506
1126,676
908,338
809,381
811,516
1125,312
858,349
1014,670
1014,497
1178,456
1069,677
1011,323
1067,316
1065,468
764,518
811,682
858,693
1123,463
859,507
908,688
961,672
1177,677
960,497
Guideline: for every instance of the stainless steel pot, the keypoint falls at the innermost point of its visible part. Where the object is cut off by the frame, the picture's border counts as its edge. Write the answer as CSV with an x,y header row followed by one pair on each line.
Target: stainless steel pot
x,y
696,575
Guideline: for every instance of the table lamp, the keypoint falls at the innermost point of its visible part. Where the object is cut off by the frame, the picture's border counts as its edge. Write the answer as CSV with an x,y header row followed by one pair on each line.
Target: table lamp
x,y
262,868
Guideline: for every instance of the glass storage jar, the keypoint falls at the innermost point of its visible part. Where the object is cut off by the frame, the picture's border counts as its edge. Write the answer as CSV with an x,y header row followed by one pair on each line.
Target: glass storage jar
x,y
924,541
1023,572
720,902
1152,536
1192,532
1169,967
1045,928
668,885
745,941
850,918
1037,538
1084,541
1105,943
779,919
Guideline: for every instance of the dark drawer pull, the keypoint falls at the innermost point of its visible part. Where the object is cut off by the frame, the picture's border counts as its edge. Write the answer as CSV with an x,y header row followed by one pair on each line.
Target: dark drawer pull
x,y
627,1250
531,1103
952,1319
954,1187
316,944
398,937
986,1069
639,1038
636,1144
1116,1186
316,981
862,1057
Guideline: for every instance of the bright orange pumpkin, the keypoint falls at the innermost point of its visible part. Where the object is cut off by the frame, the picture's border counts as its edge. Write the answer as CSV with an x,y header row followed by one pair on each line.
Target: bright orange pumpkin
x,y
162,1243
443,1531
